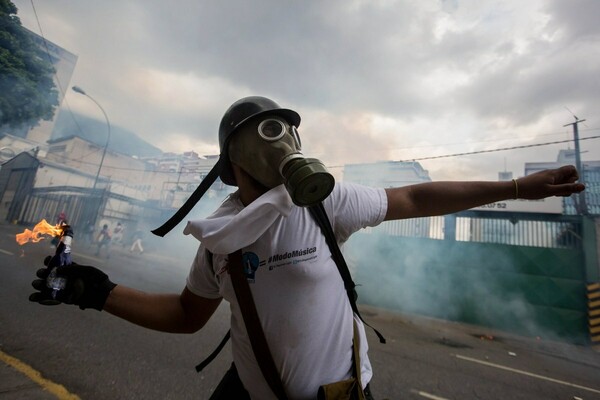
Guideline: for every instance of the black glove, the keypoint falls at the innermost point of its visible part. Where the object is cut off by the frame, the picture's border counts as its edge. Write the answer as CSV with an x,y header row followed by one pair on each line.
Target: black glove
x,y
86,286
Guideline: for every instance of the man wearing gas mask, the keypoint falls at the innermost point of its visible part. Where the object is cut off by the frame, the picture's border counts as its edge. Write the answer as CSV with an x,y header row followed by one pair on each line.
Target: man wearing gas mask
x,y
304,327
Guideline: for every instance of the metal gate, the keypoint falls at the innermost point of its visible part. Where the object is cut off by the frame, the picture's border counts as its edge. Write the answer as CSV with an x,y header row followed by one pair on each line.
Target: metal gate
x,y
79,206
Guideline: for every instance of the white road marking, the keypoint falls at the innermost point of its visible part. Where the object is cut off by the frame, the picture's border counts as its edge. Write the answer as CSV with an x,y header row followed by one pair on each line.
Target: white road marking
x,y
7,252
518,371
427,395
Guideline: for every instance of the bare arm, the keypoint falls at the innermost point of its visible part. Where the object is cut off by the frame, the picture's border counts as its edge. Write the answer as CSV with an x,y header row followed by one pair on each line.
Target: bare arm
x,y
184,313
439,198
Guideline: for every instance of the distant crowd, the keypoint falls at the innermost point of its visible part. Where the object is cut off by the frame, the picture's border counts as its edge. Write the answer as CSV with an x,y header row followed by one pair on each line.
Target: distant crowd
x,y
104,237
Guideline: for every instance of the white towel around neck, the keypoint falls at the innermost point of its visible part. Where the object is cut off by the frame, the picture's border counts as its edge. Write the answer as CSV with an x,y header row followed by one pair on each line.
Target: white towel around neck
x,y
228,230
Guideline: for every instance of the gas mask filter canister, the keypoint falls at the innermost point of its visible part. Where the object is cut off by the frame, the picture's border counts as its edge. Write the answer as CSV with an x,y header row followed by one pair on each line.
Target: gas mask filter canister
x,y
269,150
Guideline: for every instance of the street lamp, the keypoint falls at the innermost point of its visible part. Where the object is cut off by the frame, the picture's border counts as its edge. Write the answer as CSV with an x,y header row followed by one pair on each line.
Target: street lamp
x,y
79,90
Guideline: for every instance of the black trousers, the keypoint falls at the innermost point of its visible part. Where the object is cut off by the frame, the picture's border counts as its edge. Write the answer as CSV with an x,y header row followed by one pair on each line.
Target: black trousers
x,y
230,387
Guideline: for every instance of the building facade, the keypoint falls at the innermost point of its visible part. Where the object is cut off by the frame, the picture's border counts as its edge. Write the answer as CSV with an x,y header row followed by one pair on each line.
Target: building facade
x,y
64,63
386,174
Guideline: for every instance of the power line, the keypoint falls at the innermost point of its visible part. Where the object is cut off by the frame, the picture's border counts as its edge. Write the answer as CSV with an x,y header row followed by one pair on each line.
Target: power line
x,y
47,49
484,151
496,150
341,149
489,140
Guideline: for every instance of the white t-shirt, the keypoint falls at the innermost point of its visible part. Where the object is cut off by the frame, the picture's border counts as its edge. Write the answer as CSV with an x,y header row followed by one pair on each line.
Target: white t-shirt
x,y
299,295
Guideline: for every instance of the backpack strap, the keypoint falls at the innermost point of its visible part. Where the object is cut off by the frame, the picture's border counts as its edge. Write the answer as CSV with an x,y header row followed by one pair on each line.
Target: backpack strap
x,y
255,331
215,352
191,201
319,214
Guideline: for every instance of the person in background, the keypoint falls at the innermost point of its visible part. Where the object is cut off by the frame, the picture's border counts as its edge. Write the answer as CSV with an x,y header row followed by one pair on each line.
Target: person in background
x,y
88,237
103,240
137,237
61,217
63,250
117,236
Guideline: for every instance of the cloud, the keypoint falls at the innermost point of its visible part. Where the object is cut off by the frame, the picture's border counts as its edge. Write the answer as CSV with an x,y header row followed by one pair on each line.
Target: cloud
x,y
372,80
183,95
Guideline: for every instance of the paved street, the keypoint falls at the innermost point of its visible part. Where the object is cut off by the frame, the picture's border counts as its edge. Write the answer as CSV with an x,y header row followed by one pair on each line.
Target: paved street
x,y
93,355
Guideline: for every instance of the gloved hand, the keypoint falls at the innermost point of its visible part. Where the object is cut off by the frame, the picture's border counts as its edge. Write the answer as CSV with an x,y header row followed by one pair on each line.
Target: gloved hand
x,y
86,286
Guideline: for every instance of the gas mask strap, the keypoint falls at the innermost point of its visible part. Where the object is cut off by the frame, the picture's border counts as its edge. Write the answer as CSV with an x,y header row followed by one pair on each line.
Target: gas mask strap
x,y
190,202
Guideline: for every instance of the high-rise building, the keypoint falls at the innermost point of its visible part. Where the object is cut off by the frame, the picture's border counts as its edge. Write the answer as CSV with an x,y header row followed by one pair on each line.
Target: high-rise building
x,y
63,62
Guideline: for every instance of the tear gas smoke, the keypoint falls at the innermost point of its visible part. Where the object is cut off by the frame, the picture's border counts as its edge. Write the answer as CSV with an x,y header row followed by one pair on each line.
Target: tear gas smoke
x,y
478,283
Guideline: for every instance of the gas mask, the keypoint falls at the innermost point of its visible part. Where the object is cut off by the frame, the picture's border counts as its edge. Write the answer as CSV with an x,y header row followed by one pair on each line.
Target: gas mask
x,y
269,150
260,136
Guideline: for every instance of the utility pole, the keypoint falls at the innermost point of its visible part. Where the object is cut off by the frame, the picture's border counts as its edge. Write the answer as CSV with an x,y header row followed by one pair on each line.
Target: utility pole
x,y
580,204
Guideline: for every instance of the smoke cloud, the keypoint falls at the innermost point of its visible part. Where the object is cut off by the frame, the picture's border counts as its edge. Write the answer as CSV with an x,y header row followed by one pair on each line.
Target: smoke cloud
x,y
481,284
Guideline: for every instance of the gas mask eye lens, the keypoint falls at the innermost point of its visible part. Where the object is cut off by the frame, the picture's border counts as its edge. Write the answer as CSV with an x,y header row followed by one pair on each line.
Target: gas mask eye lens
x,y
271,129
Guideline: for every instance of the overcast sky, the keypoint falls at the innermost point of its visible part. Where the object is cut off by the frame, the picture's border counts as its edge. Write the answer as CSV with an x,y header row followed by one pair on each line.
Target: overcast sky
x,y
372,80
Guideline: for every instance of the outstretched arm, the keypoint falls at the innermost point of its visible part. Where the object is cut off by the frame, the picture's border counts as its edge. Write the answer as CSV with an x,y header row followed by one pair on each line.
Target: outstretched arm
x,y
439,198
184,313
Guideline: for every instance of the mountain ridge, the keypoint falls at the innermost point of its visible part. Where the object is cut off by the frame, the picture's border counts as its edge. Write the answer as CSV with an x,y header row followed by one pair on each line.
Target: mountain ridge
x,y
121,140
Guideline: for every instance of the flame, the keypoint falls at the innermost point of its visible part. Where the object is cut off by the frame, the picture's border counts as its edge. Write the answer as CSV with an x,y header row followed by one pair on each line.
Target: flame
x,y
42,228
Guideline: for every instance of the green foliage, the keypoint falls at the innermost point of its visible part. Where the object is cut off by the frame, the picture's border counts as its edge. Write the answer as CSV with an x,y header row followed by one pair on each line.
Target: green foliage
x,y
27,90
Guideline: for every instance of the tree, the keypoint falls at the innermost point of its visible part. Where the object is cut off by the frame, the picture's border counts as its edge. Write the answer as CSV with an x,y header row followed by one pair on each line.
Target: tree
x,y
27,90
